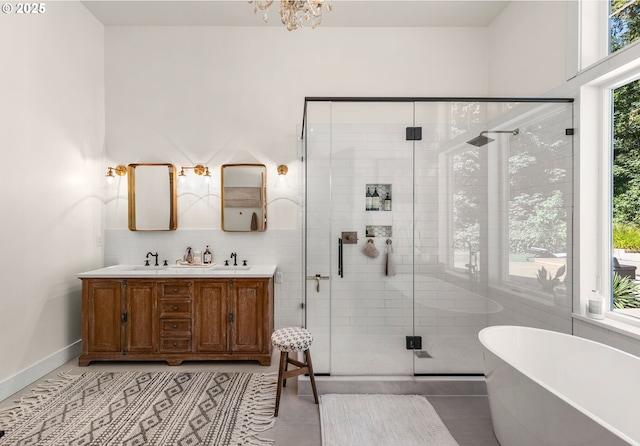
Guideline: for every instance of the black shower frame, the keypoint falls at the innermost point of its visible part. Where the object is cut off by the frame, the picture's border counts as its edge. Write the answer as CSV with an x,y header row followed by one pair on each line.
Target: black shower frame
x,y
308,99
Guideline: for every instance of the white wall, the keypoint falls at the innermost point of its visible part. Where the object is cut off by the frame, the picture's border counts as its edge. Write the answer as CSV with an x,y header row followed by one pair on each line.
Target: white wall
x,y
52,120
189,95
528,49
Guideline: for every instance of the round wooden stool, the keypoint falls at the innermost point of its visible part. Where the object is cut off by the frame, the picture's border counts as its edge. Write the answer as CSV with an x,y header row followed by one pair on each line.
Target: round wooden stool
x,y
293,339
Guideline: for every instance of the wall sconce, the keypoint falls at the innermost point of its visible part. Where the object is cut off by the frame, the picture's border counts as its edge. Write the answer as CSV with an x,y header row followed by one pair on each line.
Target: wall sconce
x,y
198,169
119,170
281,182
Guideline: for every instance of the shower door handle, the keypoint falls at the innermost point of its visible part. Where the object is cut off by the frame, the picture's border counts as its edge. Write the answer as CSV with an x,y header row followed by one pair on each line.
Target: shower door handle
x,y
318,278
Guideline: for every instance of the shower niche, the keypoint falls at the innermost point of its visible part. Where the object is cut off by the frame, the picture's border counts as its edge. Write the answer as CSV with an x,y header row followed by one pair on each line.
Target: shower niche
x,y
379,231
378,197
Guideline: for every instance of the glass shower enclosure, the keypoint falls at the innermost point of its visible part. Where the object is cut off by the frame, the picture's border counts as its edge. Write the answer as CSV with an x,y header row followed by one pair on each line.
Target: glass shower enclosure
x,y
428,219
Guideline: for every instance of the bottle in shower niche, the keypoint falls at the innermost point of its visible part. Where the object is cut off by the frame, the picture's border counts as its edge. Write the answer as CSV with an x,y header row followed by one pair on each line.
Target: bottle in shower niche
x,y
369,200
387,202
375,200
207,256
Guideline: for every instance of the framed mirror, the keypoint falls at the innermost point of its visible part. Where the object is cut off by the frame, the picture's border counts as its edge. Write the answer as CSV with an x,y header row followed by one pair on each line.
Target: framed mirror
x,y
244,197
152,197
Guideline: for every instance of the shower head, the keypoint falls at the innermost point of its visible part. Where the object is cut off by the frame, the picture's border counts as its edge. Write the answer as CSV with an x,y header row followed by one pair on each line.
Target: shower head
x,y
482,139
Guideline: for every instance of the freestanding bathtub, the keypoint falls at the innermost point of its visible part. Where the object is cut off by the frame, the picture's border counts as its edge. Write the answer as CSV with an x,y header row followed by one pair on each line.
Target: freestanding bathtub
x,y
549,388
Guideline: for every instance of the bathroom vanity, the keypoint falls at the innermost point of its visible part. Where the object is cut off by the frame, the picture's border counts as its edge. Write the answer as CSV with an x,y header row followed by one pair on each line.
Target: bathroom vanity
x,y
176,314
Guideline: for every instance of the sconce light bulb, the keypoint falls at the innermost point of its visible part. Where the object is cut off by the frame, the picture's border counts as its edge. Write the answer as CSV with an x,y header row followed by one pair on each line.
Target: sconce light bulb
x,y
182,177
109,175
119,170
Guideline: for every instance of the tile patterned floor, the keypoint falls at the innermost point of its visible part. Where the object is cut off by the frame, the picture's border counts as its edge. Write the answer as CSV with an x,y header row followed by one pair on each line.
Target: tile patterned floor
x,y
298,423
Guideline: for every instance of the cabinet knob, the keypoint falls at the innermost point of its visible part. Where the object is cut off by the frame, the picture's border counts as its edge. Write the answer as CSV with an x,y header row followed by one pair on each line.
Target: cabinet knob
x,y
175,325
175,344
175,308
175,290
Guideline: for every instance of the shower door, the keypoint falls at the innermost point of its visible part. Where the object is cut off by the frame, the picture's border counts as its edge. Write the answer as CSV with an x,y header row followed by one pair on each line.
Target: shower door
x,y
492,230
359,300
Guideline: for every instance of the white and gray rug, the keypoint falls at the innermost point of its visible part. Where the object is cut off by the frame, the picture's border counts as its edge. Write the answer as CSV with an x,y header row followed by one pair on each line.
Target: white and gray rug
x,y
381,420
144,408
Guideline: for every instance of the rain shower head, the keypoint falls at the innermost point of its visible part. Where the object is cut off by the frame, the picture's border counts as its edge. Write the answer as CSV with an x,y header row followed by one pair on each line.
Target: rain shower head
x,y
482,139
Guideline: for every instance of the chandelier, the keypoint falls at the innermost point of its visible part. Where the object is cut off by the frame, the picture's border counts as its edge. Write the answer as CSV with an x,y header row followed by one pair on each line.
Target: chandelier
x,y
295,13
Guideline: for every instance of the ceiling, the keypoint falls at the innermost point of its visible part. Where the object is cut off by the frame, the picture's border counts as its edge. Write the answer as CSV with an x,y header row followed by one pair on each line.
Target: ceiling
x,y
360,13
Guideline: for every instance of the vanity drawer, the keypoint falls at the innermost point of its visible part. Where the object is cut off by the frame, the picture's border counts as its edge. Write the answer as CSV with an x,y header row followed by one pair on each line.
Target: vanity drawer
x,y
175,289
175,344
175,308
169,326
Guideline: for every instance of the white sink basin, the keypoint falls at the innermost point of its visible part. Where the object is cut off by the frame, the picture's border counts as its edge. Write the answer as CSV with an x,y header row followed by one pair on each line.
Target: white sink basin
x,y
231,268
200,265
148,268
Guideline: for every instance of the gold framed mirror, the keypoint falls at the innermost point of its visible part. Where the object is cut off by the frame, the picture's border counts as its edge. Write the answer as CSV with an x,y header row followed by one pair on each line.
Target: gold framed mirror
x,y
152,197
244,197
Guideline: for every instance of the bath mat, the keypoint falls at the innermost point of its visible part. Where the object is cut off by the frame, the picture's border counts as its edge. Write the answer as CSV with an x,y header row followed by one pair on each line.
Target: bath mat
x,y
144,408
382,420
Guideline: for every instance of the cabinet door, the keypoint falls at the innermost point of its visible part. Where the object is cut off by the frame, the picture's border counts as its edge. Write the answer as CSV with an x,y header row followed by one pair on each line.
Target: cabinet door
x,y
141,328
211,316
248,332
102,308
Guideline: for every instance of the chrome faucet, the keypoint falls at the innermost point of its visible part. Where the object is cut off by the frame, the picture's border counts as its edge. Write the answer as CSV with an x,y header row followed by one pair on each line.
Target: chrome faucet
x,y
153,255
234,256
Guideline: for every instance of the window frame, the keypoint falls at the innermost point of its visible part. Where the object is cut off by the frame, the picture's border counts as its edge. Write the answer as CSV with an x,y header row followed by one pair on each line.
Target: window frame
x,y
595,160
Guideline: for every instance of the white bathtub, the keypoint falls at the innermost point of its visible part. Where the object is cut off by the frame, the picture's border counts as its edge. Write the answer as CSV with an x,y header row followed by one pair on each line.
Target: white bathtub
x,y
549,388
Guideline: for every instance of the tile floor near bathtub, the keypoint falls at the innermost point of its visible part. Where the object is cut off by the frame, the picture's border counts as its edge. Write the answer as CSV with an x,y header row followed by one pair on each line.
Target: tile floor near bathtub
x,y
298,423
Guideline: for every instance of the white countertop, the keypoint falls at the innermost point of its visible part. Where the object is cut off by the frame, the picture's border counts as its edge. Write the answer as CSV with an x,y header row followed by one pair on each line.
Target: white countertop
x,y
179,271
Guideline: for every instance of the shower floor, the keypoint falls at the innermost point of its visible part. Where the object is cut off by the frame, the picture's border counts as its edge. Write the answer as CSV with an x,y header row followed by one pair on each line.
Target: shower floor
x,y
387,355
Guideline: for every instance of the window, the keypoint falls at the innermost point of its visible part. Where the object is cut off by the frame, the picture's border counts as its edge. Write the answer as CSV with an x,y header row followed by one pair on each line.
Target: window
x,y
625,174
538,202
466,206
624,23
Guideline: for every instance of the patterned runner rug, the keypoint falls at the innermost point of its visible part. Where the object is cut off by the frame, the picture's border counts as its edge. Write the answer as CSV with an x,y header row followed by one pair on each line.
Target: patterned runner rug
x,y
381,420
144,408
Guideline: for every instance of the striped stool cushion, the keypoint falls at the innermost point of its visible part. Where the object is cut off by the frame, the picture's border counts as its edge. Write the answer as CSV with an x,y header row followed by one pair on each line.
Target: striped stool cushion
x,y
291,339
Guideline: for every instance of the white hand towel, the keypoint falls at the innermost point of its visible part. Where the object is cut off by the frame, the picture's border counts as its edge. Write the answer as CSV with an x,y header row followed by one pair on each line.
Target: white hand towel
x,y
390,267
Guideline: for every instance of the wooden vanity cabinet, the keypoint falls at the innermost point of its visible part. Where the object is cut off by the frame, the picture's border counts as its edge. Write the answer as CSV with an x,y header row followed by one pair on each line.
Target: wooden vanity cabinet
x,y
177,320
211,317
118,317
248,310
175,314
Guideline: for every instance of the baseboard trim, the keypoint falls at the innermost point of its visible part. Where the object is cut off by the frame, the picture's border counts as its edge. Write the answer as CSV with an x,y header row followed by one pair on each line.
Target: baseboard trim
x,y
33,373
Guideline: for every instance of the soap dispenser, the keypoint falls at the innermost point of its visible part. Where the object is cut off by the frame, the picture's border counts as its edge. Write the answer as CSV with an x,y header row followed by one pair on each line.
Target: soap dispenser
x,y
207,256
595,306
188,256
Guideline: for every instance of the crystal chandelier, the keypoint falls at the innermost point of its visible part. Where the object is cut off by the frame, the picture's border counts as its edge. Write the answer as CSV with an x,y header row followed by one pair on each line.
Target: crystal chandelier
x,y
295,13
